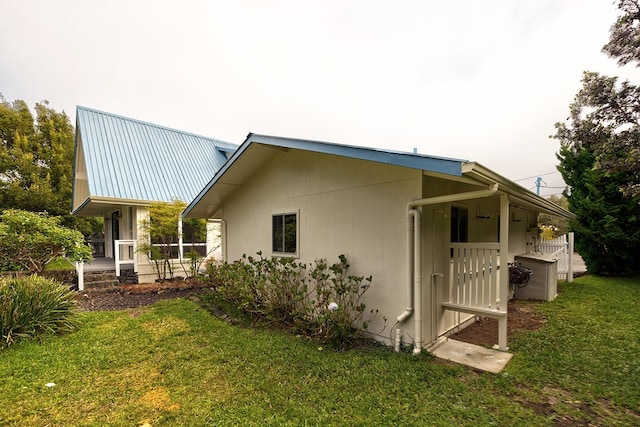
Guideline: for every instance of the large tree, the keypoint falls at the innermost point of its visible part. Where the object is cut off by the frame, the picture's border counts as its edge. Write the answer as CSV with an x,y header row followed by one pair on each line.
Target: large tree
x,y
600,159
36,158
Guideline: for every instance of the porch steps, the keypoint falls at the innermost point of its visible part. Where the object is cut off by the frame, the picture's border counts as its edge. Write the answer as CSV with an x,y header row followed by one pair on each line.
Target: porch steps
x,y
101,280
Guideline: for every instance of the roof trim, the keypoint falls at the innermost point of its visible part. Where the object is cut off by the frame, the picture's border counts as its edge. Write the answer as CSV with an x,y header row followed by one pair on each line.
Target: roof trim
x,y
515,191
228,145
442,165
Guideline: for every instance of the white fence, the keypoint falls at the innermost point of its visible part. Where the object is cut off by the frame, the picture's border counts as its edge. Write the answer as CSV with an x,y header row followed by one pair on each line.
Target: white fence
x,y
560,248
474,280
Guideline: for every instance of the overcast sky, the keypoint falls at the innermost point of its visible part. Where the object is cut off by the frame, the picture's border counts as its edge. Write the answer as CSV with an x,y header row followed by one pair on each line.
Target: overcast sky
x,y
476,80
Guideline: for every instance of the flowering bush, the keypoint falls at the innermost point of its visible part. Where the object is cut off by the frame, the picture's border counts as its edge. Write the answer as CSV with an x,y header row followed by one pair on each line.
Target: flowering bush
x,y
320,299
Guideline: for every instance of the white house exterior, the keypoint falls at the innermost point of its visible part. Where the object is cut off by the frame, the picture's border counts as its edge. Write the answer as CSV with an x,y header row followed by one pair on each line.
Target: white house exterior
x,y
436,234
123,165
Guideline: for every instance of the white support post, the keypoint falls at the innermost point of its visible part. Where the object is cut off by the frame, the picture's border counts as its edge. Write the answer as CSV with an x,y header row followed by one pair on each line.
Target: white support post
x,y
504,270
570,257
116,256
180,241
80,272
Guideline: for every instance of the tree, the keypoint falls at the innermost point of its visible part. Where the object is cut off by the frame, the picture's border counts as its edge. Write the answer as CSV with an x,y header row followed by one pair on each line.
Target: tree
x,y
556,226
161,236
36,158
36,162
29,241
600,158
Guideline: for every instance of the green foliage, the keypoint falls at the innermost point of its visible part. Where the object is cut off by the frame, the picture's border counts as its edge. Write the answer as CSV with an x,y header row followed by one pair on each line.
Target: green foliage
x,y
33,306
161,237
30,241
600,158
607,228
551,224
321,300
336,311
36,158
160,233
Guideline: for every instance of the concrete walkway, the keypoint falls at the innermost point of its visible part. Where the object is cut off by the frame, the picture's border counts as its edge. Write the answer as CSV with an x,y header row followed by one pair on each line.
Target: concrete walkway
x,y
475,356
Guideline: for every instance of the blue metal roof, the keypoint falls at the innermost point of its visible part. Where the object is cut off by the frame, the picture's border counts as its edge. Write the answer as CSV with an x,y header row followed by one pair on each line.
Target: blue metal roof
x,y
131,159
207,201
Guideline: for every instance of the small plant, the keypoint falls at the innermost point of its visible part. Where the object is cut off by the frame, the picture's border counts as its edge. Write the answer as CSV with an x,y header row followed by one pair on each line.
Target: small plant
x,y
34,305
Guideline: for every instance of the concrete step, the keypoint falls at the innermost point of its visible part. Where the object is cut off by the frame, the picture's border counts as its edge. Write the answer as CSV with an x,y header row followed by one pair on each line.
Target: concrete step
x,y
101,285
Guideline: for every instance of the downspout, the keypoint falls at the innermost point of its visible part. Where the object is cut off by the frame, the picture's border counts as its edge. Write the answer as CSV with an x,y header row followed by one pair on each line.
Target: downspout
x,y
414,254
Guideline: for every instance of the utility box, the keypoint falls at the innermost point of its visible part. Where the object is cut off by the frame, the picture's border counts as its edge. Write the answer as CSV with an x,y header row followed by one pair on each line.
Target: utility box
x,y
543,284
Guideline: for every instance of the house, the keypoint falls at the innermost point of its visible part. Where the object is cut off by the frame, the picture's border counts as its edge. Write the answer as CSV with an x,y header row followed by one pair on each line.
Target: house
x,y
123,165
437,234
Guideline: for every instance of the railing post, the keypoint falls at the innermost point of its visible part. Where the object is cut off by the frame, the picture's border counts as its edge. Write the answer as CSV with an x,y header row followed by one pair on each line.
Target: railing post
x,y
116,256
504,275
80,273
570,258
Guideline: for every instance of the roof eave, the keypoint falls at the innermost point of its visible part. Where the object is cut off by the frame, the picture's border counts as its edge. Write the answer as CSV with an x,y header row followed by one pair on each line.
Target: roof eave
x,y
516,191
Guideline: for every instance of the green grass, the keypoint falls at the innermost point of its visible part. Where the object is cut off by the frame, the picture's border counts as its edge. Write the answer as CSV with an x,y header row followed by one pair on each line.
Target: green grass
x,y
175,364
59,264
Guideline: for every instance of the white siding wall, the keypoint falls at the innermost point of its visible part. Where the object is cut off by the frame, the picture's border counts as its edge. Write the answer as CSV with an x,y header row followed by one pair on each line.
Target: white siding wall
x,y
345,206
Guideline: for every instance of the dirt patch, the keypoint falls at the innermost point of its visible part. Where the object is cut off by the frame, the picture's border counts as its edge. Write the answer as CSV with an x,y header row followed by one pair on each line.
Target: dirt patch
x,y
133,296
485,331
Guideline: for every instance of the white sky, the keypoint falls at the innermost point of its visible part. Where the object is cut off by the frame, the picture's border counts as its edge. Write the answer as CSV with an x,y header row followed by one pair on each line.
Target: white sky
x,y
476,80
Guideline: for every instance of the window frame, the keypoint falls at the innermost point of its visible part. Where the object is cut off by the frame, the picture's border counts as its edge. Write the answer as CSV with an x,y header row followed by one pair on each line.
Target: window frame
x,y
283,214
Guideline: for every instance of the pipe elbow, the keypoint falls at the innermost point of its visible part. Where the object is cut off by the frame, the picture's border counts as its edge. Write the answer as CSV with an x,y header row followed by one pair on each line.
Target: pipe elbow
x,y
404,316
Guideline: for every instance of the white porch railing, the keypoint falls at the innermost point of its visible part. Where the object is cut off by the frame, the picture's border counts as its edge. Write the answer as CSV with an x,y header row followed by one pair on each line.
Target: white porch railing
x,y
124,252
474,280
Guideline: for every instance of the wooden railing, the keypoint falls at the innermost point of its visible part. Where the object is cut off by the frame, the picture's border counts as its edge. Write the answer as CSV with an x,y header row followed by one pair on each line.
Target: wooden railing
x,y
474,280
128,255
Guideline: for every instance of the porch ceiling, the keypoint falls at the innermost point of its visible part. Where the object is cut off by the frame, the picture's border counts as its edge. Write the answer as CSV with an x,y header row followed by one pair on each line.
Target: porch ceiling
x,y
101,207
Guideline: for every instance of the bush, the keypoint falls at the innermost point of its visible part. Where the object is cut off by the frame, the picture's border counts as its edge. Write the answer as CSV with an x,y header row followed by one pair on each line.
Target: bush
x,y
29,241
34,306
321,300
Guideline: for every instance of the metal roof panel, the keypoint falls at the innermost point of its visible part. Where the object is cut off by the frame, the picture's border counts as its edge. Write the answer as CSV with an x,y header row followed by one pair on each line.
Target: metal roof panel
x,y
131,159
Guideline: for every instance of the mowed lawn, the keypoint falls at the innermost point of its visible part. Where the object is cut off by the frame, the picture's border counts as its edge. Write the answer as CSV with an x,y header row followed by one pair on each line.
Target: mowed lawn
x,y
174,364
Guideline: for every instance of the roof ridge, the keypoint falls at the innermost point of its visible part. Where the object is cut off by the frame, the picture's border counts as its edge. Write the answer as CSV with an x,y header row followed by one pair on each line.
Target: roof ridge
x,y
145,123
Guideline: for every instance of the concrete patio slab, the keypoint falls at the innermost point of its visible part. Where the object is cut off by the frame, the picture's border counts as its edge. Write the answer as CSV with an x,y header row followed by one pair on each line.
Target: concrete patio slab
x,y
475,356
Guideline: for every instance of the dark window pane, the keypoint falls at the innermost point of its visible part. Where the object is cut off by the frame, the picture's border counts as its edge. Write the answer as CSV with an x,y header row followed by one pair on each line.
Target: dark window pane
x,y
284,233
459,224
290,230
278,231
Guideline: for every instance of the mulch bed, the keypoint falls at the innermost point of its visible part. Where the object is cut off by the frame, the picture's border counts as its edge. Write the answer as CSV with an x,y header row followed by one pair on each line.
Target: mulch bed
x,y
484,332
133,296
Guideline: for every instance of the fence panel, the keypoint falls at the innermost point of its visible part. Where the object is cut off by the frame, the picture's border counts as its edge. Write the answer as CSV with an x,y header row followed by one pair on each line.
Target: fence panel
x,y
557,248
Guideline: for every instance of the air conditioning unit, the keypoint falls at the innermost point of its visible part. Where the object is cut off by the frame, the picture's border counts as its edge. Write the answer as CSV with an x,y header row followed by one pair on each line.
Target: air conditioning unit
x,y
543,284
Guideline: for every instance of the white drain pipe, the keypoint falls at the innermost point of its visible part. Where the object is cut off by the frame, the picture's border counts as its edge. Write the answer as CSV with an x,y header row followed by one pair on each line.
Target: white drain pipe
x,y
414,254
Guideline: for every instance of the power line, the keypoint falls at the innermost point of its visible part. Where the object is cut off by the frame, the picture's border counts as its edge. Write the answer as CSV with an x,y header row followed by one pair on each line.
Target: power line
x,y
535,176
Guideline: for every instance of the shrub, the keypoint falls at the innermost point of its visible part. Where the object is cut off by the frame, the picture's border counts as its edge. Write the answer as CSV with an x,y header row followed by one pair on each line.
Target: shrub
x,y
321,300
336,311
33,306
29,241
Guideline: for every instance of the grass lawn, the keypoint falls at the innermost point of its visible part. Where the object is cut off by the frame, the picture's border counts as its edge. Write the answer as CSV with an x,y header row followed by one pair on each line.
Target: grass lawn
x,y
174,363
59,264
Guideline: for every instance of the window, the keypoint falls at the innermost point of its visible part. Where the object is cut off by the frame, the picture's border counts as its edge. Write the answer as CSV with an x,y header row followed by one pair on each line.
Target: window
x,y
284,235
459,224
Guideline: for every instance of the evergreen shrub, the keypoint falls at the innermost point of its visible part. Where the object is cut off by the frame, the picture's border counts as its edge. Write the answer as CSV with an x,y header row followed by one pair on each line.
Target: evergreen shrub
x,y
34,306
